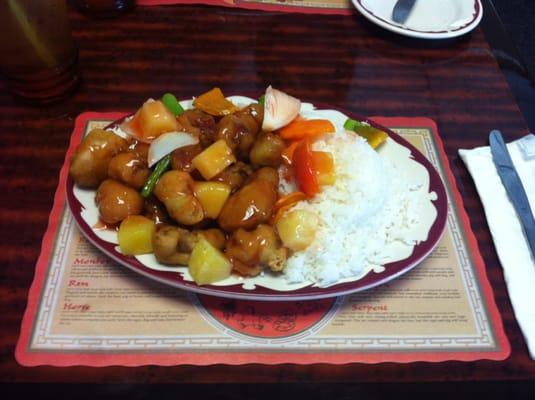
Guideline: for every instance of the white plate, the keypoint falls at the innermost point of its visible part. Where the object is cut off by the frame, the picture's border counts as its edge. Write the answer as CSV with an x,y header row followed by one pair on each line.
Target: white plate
x,y
270,287
429,19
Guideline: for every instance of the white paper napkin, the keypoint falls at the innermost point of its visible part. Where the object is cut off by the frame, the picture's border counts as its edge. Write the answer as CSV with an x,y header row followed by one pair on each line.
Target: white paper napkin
x,y
509,239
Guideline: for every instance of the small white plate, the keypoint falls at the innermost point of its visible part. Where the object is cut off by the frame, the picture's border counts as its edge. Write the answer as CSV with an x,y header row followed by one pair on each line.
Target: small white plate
x,y
429,19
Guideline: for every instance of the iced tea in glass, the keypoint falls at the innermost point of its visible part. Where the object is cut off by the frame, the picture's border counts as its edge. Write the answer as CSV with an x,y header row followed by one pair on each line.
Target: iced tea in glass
x,y
39,58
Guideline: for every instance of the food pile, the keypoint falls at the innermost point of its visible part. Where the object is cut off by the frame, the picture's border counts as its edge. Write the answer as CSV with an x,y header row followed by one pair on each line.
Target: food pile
x,y
207,187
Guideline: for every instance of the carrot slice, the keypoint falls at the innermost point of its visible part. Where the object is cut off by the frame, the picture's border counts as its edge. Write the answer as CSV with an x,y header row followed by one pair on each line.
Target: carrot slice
x,y
289,199
278,214
303,128
284,203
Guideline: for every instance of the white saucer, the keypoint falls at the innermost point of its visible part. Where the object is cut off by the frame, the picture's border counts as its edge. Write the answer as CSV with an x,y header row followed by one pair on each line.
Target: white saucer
x,y
429,19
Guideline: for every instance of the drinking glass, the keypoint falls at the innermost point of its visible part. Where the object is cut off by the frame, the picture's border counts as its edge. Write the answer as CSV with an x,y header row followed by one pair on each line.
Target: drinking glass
x,y
39,58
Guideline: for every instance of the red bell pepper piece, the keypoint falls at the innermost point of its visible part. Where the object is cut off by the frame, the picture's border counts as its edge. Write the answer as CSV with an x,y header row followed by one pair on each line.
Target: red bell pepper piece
x,y
305,173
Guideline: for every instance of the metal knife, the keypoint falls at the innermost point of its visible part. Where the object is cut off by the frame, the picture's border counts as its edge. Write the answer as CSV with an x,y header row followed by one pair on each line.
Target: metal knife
x,y
513,186
402,10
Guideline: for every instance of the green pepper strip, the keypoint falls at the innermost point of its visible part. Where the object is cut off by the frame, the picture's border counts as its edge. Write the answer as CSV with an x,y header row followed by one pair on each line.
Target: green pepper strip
x,y
351,124
262,99
172,104
161,167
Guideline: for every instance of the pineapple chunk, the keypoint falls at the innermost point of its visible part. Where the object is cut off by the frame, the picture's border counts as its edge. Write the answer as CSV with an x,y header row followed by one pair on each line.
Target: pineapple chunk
x,y
326,179
154,119
135,235
214,159
324,167
207,264
297,229
212,196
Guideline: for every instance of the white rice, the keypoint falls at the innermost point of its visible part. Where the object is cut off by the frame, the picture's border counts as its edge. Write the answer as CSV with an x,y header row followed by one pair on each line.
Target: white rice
x,y
368,207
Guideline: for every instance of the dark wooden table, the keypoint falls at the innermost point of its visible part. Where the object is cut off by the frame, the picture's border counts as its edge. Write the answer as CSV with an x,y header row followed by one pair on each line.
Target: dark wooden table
x,y
342,61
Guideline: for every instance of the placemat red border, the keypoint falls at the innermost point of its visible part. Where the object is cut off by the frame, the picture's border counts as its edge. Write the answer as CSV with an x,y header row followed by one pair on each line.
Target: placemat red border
x,y
251,6
69,358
